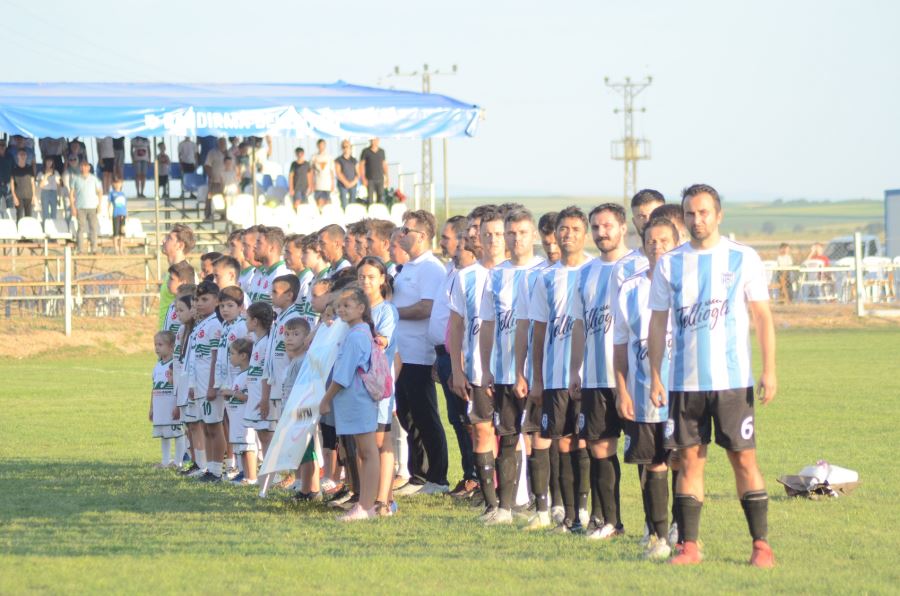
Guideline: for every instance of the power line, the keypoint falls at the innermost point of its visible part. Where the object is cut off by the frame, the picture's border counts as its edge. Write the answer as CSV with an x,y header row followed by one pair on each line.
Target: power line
x,y
629,149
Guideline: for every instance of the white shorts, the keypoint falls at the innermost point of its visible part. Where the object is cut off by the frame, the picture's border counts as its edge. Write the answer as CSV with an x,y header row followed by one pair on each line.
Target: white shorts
x,y
213,411
260,424
276,406
191,412
168,431
240,436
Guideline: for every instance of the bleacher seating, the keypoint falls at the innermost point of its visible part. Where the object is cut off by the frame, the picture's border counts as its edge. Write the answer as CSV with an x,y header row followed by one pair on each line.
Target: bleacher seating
x,y
134,228
397,211
30,229
379,211
355,212
8,230
57,229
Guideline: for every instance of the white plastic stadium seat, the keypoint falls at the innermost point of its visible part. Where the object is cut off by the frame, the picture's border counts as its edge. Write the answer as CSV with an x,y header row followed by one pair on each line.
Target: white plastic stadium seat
x,y
57,229
307,219
379,211
106,227
218,203
276,193
30,229
354,212
332,214
397,211
134,228
8,230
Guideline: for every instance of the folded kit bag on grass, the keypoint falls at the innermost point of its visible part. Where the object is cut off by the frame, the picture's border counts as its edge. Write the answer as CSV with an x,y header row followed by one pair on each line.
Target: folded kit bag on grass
x,y
820,480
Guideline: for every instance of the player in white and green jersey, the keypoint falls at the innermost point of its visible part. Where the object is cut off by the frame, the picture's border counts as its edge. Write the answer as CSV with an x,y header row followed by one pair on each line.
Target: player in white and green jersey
x,y
164,415
249,262
502,295
259,322
241,438
557,313
269,247
293,258
202,357
284,295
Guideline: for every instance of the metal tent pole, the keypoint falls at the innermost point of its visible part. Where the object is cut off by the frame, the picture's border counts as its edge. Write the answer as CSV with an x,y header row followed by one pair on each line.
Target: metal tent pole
x,y
446,184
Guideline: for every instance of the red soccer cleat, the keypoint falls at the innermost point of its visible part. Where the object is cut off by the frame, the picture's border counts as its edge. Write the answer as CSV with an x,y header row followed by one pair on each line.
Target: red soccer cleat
x,y
688,554
762,556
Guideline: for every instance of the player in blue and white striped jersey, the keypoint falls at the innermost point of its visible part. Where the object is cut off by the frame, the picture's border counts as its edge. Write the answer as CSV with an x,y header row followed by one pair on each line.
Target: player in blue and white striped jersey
x,y
705,289
503,292
643,421
557,313
465,353
598,422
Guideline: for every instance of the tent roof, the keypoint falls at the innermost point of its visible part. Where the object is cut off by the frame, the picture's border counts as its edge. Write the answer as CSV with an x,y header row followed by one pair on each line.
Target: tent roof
x,y
338,109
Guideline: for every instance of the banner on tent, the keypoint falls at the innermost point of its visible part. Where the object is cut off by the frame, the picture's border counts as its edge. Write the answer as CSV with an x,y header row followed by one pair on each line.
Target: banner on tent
x,y
297,425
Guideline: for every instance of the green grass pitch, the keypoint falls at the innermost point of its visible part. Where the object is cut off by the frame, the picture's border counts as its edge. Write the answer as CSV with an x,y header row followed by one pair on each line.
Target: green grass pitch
x,y
82,511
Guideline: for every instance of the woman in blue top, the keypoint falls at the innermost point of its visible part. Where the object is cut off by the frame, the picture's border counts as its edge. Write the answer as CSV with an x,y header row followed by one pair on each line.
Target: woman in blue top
x,y
354,411
372,276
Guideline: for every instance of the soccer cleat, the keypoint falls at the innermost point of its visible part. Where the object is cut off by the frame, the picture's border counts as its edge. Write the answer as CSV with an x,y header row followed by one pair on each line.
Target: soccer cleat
x,y
239,479
673,533
558,513
189,470
762,556
563,527
502,517
315,497
658,549
540,521
477,499
689,554
432,488
604,532
342,497
197,473
231,473
400,482
209,477
465,489
594,524
488,513
357,513
583,515
409,489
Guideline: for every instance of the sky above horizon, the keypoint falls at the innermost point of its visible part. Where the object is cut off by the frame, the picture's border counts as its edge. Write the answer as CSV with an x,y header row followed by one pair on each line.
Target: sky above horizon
x,y
762,100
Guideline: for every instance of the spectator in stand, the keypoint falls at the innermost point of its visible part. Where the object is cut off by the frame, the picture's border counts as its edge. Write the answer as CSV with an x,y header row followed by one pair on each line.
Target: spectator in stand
x,y
7,161
85,195
162,163
119,158
52,149
26,145
49,183
176,245
107,156
373,171
140,159
347,174
243,164
118,210
229,179
23,191
817,252
214,166
323,174
785,278
299,178
187,158
207,143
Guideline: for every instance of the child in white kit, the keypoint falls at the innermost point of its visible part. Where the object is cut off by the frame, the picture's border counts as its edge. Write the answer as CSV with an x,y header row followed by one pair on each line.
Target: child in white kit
x,y
241,438
166,418
259,321
234,327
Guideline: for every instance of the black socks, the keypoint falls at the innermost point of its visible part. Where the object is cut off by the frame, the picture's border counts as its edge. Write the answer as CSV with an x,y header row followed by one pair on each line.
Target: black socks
x,y
688,517
605,484
484,466
506,470
539,467
567,483
756,510
656,490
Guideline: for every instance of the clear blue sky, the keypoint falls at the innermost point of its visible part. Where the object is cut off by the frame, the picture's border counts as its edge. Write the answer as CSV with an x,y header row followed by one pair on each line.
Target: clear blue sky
x,y
762,99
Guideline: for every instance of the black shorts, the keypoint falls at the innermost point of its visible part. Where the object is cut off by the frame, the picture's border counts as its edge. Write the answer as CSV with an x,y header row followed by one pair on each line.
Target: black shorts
x,y
383,428
507,411
692,414
108,164
188,168
480,407
329,436
645,442
598,418
531,416
559,413
118,223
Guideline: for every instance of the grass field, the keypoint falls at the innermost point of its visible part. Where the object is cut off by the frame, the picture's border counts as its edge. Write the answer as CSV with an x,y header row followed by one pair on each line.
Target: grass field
x,y
82,511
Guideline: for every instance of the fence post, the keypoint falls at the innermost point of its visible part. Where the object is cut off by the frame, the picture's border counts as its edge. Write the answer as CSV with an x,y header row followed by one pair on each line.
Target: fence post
x,y
858,263
67,295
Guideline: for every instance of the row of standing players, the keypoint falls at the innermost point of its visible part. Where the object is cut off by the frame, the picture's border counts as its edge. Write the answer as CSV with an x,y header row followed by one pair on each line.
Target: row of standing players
x,y
567,354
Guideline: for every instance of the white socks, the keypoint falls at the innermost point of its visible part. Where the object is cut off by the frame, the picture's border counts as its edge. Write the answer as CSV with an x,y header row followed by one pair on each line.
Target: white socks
x,y
214,468
200,456
179,449
166,451
229,462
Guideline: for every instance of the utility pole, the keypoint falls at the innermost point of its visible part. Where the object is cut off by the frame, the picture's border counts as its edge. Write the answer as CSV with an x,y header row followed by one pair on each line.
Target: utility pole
x,y
628,148
427,163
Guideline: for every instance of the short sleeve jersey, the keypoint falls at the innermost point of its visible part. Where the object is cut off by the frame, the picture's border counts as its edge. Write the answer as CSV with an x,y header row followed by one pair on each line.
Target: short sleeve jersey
x,y
557,303
245,279
231,332
597,287
632,325
526,294
355,353
204,340
239,385
632,263
304,296
706,293
503,294
277,360
261,286
119,202
163,393
419,279
466,301
171,322
255,378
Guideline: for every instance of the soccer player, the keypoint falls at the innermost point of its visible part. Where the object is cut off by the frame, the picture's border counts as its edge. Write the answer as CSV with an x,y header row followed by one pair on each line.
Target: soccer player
x,y
598,422
293,258
675,214
188,409
296,331
164,416
202,355
705,288
504,289
259,321
642,206
644,422
269,249
547,230
284,297
226,274
331,246
234,327
241,438
557,313
180,274
248,281
206,264
466,307
236,250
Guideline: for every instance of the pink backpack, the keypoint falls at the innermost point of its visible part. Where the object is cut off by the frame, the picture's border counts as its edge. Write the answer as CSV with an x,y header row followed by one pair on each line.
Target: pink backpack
x,y
378,380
